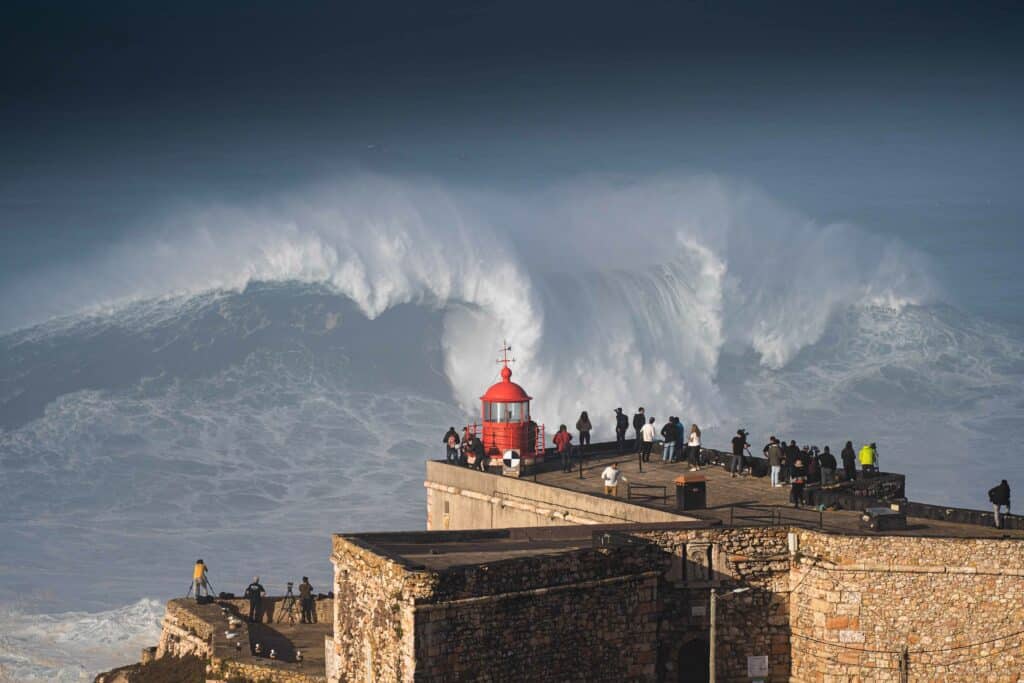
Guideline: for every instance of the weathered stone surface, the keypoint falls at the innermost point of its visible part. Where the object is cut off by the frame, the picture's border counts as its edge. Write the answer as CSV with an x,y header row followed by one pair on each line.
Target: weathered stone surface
x,y
956,604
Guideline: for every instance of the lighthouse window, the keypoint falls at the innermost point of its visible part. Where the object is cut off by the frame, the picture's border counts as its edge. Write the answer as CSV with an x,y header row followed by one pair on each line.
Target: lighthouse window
x,y
506,412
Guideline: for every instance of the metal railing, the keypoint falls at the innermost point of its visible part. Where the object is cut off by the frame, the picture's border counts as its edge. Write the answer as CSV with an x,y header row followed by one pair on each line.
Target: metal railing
x,y
774,515
641,488
502,442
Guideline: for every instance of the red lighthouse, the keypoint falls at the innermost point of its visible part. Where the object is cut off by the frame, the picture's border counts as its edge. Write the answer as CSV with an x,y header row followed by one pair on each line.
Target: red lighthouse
x,y
508,431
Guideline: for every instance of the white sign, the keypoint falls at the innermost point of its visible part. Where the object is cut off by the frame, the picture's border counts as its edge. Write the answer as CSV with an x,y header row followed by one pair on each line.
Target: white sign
x,y
698,611
757,666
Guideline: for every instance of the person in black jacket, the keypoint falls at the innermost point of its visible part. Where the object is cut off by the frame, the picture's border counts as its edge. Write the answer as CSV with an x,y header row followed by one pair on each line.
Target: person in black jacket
x,y
670,433
639,420
828,467
255,592
813,463
792,451
849,461
584,427
451,442
739,442
621,425
479,455
799,472
1000,497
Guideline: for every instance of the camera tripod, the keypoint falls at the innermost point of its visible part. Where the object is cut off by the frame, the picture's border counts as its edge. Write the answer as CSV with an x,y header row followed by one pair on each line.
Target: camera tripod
x,y
288,606
205,582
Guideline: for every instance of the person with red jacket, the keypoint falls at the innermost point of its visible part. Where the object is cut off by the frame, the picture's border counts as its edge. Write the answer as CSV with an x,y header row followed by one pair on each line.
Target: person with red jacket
x,y
562,439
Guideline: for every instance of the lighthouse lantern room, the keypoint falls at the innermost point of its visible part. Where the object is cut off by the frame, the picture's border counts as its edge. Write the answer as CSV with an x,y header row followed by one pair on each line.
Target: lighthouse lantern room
x,y
509,434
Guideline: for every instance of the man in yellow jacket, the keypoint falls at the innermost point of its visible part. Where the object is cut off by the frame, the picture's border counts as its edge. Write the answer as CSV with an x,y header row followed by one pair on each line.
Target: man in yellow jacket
x,y
199,578
868,460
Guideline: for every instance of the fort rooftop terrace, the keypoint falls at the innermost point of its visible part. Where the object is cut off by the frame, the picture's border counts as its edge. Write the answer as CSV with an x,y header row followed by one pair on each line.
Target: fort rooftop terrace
x,y
750,500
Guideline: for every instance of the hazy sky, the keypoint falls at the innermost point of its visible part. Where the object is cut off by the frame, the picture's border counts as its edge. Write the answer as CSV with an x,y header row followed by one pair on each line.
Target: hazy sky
x,y
902,117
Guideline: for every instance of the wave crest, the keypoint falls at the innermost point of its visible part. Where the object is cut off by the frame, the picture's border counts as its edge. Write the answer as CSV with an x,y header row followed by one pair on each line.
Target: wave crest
x,y
628,288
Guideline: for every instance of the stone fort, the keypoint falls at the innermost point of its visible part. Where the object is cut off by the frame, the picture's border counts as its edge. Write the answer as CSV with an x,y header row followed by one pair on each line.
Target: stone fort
x,y
527,572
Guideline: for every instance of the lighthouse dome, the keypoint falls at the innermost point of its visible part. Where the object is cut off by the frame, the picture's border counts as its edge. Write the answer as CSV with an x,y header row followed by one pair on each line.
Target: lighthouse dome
x,y
506,391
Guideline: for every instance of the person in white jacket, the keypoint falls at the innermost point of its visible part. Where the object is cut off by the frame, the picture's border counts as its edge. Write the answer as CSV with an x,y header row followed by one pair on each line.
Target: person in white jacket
x,y
647,440
611,476
693,448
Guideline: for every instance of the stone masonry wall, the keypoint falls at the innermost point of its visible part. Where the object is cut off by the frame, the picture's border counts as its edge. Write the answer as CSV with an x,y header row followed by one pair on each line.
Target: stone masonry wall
x,y
957,605
259,672
603,614
754,622
585,615
373,615
593,631
184,633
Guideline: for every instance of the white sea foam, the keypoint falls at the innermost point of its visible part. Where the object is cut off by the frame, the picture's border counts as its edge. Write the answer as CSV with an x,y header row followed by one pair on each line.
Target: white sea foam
x,y
74,646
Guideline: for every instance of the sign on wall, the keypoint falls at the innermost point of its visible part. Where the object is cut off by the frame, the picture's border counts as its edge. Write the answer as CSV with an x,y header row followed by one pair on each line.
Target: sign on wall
x,y
511,459
757,666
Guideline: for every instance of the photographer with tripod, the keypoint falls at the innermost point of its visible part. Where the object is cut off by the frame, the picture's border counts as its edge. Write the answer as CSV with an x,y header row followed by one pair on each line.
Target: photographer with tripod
x,y
199,579
739,444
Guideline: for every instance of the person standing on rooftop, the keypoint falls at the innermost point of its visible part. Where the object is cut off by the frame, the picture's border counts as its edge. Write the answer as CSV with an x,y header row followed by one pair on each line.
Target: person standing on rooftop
x,y
813,463
1000,498
621,425
796,493
828,467
306,601
639,420
479,454
200,578
868,460
563,439
680,450
254,593
451,442
647,436
774,453
849,461
467,446
789,456
739,442
693,448
584,427
669,433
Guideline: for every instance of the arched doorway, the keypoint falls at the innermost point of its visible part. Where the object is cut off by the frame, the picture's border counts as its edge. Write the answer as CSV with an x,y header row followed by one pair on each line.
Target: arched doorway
x,y
693,661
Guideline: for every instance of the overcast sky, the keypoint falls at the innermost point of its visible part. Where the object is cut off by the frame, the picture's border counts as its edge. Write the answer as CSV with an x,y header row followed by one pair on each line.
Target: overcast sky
x,y
903,117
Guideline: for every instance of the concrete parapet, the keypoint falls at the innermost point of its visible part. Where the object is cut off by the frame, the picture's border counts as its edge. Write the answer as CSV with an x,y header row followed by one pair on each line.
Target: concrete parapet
x,y
461,498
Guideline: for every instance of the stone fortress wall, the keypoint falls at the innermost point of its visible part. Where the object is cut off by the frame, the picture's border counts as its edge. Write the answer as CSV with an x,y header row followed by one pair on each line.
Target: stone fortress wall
x,y
524,581
822,607
591,613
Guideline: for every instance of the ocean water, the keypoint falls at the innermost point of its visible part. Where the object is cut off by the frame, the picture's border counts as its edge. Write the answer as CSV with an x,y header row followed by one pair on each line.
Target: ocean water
x,y
242,381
